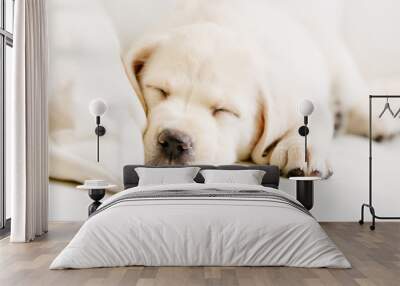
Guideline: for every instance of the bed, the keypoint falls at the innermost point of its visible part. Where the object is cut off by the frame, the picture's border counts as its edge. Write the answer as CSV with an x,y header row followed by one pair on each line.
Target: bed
x,y
201,224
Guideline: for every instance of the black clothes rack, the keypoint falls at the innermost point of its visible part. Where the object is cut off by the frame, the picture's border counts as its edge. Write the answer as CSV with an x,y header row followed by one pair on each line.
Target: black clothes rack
x,y
370,205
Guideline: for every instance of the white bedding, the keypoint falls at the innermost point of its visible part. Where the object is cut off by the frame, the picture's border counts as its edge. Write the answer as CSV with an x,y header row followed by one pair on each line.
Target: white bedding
x,y
182,231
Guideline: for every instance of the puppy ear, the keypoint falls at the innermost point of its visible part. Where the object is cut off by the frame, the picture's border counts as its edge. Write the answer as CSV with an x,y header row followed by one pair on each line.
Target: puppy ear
x,y
135,60
273,126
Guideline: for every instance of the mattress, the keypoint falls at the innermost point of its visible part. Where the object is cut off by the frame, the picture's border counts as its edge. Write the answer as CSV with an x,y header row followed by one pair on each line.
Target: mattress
x,y
199,225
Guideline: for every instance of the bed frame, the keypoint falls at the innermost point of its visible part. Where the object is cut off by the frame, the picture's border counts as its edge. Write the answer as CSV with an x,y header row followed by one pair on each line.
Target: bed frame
x,y
270,179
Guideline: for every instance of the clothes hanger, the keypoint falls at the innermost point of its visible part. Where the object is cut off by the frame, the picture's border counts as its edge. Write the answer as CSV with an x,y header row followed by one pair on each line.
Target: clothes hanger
x,y
387,107
397,113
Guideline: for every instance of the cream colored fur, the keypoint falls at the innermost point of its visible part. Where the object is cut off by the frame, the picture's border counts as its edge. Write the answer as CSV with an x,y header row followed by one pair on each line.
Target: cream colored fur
x,y
253,59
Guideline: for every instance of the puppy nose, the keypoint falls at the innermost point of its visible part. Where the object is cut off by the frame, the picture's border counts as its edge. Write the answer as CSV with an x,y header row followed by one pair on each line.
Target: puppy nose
x,y
174,143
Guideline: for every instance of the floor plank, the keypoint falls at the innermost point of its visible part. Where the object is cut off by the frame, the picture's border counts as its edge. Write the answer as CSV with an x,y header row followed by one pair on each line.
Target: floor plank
x,y
375,257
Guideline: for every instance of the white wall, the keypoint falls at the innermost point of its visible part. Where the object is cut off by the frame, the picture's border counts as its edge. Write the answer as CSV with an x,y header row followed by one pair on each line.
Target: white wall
x,y
371,30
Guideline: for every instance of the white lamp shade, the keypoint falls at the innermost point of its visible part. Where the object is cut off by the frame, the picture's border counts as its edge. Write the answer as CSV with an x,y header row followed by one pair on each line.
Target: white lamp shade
x,y
97,107
306,107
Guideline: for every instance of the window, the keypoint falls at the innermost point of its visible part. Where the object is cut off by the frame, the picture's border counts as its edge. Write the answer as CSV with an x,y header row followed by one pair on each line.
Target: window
x,y
6,44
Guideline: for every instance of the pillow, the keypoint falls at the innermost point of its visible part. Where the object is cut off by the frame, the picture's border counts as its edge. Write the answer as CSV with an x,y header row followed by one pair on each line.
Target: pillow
x,y
248,177
163,176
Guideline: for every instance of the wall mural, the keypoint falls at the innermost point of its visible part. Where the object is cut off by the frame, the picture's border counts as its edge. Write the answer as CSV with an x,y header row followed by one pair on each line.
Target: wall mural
x,y
193,82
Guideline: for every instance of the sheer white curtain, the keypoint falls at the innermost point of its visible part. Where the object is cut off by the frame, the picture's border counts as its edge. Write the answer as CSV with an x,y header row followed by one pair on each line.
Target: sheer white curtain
x,y
26,119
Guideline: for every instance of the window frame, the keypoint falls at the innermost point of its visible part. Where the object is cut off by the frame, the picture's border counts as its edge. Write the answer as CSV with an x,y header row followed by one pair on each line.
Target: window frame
x,y
6,39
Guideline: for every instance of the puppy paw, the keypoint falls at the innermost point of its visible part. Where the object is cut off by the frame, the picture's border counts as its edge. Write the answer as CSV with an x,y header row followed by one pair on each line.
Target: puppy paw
x,y
383,137
384,128
289,156
296,173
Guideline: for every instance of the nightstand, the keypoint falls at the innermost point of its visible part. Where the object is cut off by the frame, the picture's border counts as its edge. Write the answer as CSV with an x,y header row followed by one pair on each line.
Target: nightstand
x,y
305,190
96,190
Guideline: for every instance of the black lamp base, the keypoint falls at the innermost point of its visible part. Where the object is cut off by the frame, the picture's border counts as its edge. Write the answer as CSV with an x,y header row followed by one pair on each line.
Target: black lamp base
x,y
305,193
96,195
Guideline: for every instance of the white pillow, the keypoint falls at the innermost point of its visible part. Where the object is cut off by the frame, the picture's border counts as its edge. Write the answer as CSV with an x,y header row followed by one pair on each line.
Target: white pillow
x,y
248,177
163,176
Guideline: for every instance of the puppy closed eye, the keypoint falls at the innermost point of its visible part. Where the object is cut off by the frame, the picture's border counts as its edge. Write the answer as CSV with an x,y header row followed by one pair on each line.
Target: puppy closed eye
x,y
217,111
164,93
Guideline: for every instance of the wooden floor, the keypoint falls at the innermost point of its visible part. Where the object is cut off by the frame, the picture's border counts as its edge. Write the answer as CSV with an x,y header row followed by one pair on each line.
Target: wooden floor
x,y
375,257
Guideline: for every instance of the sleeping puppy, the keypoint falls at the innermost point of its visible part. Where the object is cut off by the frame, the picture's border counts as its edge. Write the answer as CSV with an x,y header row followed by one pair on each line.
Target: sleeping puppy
x,y
220,89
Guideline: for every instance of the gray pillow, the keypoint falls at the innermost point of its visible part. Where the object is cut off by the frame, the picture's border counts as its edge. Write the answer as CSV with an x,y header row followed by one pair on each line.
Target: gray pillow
x,y
163,176
247,177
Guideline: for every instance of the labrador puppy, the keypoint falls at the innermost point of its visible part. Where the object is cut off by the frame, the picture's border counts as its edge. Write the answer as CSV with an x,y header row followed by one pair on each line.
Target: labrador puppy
x,y
223,85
